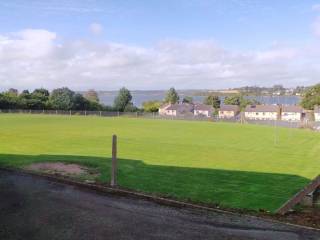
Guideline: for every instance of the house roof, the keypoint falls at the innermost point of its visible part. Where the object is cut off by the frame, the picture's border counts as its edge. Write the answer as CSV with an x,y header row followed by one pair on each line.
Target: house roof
x,y
234,108
262,108
181,107
292,108
165,106
203,107
317,109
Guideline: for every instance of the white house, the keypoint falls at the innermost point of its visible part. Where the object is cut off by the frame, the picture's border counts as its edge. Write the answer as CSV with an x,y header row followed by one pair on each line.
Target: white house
x,y
203,110
163,109
229,111
178,109
262,112
291,113
317,113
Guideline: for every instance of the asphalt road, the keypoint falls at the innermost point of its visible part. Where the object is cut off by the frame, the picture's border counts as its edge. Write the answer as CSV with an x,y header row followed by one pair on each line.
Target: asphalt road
x,y
35,208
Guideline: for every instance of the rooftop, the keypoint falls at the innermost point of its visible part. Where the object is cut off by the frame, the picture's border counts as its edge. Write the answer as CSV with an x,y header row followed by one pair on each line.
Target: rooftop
x,y
234,108
292,108
262,108
203,107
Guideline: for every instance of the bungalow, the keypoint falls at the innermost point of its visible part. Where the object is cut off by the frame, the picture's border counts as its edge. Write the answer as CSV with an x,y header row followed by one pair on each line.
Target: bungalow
x,y
203,110
317,113
291,113
179,109
229,111
262,112
163,108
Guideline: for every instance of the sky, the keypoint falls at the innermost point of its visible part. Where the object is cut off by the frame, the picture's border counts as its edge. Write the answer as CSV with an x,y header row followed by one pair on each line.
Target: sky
x,y
157,44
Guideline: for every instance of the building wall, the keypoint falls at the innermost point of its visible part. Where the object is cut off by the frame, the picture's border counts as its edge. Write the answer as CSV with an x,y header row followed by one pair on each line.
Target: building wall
x,y
317,117
162,110
226,114
291,116
261,115
170,112
202,112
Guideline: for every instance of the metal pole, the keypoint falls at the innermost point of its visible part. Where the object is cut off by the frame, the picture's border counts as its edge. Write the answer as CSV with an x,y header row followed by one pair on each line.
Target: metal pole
x,y
114,162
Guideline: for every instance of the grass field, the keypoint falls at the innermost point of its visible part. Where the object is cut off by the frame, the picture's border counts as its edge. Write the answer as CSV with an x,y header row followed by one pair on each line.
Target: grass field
x,y
233,165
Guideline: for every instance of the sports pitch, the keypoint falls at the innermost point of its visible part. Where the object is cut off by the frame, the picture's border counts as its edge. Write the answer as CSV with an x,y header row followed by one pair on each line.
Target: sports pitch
x,y
233,165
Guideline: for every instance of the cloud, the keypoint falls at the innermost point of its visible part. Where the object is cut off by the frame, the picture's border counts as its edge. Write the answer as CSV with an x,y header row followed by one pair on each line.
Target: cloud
x,y
316,7
38,58
316,27
96,28
76,7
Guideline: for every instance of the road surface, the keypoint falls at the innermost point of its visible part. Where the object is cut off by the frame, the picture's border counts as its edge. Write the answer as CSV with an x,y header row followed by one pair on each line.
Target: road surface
x,y
36,208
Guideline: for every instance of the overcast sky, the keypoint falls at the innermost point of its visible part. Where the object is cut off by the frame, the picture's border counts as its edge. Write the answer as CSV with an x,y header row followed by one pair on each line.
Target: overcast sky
x,y
188,44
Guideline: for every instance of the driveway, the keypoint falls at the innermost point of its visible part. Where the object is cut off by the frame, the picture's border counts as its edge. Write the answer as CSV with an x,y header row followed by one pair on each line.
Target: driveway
x,y
36,208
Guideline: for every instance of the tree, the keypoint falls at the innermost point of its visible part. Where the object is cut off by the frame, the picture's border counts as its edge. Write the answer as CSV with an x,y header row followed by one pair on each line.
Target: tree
x,y
41,93
240,101
151,106
172,96
80,103
13,91
122,100
233,100
187,99
311,97
213,101
62,99
92,95
131,108
38,99
10,100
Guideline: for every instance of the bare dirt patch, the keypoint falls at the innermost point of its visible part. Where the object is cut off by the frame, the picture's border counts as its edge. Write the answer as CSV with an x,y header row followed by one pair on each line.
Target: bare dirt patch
x,y
60,168
307,217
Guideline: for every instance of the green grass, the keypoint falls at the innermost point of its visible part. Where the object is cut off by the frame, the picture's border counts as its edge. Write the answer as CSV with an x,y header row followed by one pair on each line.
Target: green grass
x,y
233,165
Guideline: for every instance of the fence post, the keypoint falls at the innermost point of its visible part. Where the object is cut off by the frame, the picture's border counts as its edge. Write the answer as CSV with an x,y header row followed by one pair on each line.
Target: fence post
x,y
114,162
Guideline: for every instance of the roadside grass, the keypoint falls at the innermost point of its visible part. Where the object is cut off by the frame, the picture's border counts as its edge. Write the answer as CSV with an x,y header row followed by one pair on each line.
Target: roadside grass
x,y
235,166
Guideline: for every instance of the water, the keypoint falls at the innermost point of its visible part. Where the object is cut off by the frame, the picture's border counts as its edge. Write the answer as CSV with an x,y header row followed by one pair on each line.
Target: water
x,y
140,97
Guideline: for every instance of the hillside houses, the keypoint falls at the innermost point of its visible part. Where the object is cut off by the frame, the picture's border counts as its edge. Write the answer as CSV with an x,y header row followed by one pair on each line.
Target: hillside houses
x,y
291,113
229,111
163,109
262,112
203,110
317,113
179,109
186,109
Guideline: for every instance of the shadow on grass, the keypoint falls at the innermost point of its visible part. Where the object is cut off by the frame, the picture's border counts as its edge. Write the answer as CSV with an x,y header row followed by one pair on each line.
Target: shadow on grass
x,y
227,188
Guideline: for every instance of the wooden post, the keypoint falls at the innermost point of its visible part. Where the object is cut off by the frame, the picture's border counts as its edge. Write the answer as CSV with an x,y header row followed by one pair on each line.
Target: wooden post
x,y
114,162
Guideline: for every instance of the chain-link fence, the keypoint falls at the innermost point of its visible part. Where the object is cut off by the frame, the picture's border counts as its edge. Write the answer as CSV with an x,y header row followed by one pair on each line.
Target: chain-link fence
x,y
189,117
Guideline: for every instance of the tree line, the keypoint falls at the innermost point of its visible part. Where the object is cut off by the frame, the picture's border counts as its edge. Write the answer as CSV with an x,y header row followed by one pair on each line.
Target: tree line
x,y
64,99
